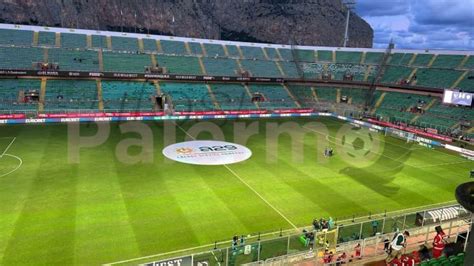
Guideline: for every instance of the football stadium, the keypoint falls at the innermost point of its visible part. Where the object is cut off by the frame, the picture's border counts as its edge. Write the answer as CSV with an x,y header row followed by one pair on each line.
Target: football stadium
x,y
120,148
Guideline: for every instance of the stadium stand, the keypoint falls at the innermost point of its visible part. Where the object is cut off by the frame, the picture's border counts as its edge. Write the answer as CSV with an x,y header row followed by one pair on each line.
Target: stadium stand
x,y
20,58
469,63
437,78
128,95
188,96
304,95
126,62
261,68
99,41
355,96
400,59
326,94
220,66
467,84
124,44
78,60
447,61
233,51
289,68
16,37
11,90
325,56
195,48
396,106
373,58
72,40
286,54
394,74
252,52
46,38
272,53
149,45
275,96
422,59
68,94
173,47
179,64
305,55
232,97
348,57
214,50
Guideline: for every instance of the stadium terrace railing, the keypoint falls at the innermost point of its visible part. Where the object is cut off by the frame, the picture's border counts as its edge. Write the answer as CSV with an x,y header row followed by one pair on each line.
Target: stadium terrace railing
x,y
347,231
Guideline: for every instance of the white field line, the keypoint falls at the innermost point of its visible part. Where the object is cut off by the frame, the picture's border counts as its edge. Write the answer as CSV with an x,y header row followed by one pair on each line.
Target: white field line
x,y
8,147
396,160
247,185
215,257
16,168
403,211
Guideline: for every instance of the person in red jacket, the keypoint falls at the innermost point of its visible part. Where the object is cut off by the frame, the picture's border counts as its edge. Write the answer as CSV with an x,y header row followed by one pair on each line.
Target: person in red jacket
x,y
358,250
439,242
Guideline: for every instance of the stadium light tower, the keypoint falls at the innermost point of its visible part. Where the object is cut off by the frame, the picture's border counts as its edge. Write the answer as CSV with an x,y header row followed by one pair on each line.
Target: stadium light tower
x,y
350,5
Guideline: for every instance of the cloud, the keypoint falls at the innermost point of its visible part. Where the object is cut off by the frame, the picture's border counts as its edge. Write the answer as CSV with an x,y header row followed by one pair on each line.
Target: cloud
x,y
421,24
369,8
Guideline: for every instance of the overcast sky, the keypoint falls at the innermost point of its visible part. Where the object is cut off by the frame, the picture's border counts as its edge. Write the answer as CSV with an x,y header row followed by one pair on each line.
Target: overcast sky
x,y
420,24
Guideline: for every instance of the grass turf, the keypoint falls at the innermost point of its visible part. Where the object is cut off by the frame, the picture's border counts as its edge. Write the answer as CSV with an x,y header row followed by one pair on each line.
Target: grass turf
x,y
102,210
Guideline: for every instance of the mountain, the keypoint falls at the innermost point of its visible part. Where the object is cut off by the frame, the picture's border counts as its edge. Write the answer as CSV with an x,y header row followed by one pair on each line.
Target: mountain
x,y
304,22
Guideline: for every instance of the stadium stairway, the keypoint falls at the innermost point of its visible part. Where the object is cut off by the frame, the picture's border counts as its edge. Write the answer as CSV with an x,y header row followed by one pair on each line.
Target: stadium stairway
x,y
338,95
241,54
378,103
279,55
463,62
315,95
425,108
42,94
412,59
265,54
280,68
35,38
247,89
89,41
100,55
433,59
201,65
188,49
157,87
367,73
45,54
153,60
412,74
203,48
461,78
226,50
159,47
292,96
99,94
141,46
213,97
57,41
362,58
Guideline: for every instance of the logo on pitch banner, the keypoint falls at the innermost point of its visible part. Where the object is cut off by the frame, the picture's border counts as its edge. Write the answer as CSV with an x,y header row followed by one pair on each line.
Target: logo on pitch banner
x,y
207,152
184,150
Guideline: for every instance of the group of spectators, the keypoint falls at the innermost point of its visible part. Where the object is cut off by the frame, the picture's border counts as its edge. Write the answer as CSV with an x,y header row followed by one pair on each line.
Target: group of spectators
x,y
323,224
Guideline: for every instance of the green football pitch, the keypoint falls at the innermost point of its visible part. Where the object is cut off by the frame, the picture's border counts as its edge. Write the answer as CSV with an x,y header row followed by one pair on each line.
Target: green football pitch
x,y
102,209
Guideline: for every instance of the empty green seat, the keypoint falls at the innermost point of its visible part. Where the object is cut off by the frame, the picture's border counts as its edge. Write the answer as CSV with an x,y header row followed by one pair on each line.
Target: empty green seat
x,y
126,62
124,43
173,47
46,38
188,96
128,95
70,94
73,40
213,50
16,37
275,96
186,65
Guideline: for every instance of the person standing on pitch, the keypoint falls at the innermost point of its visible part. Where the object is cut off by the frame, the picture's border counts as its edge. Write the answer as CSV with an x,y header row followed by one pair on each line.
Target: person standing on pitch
x,y
439,242
397,246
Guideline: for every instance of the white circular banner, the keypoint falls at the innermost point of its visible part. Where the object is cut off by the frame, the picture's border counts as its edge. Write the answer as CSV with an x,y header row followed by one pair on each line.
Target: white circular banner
x,y
207,152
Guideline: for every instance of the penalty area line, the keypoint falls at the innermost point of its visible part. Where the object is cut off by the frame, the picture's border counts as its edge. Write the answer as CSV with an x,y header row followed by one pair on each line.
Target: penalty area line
x,y
247,185
8,147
